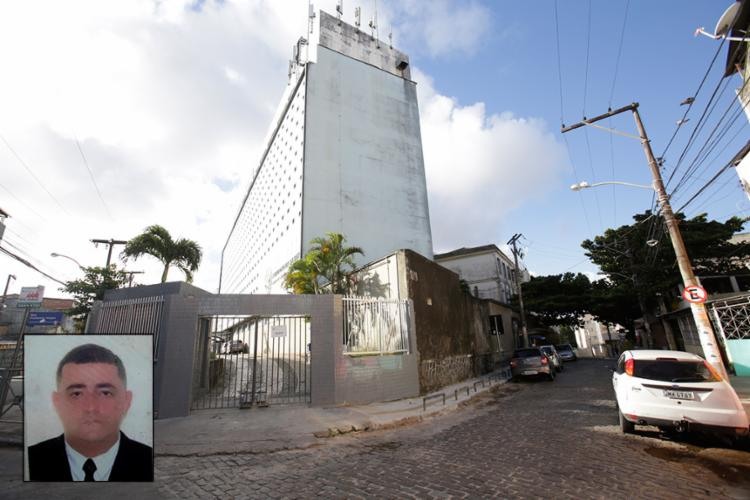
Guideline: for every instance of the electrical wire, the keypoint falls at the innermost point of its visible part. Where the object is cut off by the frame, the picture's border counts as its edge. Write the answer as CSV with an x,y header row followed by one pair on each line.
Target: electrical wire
x,y
91,175
31,209
30,265
619,53
28,169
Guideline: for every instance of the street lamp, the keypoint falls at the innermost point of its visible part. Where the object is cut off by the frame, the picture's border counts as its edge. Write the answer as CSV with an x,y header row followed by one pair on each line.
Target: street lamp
x,y
584,185
53,254
5,292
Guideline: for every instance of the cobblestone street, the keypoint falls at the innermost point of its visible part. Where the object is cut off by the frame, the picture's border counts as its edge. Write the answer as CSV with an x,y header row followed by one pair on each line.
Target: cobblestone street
x,y
530,439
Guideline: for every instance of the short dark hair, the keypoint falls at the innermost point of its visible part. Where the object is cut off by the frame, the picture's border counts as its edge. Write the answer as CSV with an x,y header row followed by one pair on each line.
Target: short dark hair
x,y
92,353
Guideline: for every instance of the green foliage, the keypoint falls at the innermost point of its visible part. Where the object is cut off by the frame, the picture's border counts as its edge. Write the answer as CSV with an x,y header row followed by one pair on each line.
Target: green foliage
x,y
156,241
325,268
630,263
558,299
95,282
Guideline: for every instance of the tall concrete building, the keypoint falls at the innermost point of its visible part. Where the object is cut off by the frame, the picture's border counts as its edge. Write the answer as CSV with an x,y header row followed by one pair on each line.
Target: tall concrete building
x,y
343,155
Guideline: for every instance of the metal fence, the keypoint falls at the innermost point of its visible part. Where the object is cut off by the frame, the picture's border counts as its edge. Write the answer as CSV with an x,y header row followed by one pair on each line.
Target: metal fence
x,y
242,361
375,326
132,316
732,318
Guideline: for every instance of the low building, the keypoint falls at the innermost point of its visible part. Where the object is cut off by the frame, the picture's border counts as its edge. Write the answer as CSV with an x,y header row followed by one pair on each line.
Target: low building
x,y
49,318
487,271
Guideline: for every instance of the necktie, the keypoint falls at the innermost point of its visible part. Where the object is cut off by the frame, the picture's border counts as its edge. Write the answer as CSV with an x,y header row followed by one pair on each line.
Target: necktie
x,y
88,468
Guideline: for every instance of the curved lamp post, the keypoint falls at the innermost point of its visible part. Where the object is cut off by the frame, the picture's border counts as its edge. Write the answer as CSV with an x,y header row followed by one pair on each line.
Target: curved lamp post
x,y
54,254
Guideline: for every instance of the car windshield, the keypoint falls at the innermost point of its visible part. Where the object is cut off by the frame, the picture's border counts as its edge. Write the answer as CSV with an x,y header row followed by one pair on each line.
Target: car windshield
x,y
672,370
563,348
526,353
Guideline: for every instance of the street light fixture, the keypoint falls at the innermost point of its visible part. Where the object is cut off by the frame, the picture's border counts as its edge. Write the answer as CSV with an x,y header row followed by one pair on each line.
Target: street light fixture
x,y
584,185
54,254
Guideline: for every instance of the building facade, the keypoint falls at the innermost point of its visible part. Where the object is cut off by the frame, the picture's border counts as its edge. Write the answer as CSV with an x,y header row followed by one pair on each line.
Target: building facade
x,y
344,155
486,269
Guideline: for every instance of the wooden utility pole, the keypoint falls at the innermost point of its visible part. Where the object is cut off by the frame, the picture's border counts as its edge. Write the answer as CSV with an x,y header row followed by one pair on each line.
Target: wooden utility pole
x,y
524,330
703,324
111,242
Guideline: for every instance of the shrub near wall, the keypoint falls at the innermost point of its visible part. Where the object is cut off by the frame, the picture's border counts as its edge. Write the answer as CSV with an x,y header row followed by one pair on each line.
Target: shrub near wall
x,y
451,325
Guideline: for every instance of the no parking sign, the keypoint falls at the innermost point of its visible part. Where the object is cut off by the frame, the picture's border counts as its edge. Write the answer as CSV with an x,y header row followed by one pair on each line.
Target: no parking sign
x,y
694,294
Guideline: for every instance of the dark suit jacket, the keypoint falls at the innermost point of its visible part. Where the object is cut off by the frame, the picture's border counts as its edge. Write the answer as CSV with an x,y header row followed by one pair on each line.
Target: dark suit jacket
x,y
49,462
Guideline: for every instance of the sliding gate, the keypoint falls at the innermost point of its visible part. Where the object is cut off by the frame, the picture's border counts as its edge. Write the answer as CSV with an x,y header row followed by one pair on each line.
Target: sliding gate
x,y
244,361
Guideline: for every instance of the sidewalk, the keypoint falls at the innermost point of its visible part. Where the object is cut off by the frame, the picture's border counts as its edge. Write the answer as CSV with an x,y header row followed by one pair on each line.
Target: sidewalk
x,y
279,427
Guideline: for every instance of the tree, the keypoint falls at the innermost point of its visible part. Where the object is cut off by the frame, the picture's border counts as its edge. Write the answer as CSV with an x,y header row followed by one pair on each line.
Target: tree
x,y
633,265
156,241
95,281
325,267
559,299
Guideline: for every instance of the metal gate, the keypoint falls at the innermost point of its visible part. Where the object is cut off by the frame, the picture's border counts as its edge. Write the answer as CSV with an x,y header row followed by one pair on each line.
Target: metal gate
x,y
242,361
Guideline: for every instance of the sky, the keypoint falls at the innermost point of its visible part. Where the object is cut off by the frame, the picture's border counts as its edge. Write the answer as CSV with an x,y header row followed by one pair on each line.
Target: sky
x,y
122,114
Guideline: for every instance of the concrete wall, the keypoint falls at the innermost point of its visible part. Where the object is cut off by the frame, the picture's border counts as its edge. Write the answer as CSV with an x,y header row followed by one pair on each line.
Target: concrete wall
x,y
364,169
452,326
336,378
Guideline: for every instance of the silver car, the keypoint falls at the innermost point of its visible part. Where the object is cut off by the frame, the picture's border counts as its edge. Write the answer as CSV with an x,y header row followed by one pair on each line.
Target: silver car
x,y
531,361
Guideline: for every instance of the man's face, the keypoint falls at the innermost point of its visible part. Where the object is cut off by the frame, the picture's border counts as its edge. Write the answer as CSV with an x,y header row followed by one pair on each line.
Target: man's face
x,y
91,401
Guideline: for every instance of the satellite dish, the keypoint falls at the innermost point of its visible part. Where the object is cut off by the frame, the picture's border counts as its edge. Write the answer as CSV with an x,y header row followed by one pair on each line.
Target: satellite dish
x,y
726,20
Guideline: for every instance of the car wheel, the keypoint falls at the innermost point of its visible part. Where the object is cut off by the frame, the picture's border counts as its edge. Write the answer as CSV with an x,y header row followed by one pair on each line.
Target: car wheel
x,y
626,426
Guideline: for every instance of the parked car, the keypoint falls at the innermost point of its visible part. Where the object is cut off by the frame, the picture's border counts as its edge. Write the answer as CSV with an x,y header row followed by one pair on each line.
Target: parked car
x,y
235,346
566,352
676,391
531,361
550,351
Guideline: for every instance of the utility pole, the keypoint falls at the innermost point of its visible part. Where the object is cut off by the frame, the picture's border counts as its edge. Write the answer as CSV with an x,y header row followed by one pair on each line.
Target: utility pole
x,y
111,242
524,330
700,316
7,284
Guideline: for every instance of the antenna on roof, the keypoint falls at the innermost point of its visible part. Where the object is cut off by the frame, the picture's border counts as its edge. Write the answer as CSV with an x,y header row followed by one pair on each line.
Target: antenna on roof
x,y
357,16
390,38
340,9
310,17
374,26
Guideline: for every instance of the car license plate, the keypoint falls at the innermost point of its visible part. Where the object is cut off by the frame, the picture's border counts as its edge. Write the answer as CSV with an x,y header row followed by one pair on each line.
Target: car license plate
x,y
529,372
671,394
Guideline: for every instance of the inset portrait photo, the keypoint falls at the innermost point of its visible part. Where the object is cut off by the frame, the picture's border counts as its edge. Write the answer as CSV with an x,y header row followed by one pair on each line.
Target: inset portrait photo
x,y
88,408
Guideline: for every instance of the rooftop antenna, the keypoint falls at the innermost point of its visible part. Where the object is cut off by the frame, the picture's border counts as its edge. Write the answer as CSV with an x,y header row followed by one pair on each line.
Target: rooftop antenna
x,y
310,17
724,25
357,16
390,38
340,9
374,26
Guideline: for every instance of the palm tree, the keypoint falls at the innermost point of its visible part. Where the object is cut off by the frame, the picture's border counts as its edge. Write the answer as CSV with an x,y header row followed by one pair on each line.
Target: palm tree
x,y
156,241
328,260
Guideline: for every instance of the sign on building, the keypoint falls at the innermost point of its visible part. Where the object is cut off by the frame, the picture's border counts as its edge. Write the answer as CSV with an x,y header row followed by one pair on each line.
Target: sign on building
x,y
44,318
31,296
278,331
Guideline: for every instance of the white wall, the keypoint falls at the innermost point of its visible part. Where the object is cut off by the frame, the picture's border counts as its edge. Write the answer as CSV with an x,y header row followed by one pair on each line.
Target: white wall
x,y
364,169
481,271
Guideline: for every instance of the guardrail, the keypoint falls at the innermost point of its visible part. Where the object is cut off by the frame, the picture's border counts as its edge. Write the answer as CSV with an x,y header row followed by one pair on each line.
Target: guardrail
x,y
498,376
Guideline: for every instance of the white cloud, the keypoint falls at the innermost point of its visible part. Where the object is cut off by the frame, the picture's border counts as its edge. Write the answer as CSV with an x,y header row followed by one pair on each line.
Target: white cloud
x,y
443,27
171,107
481,167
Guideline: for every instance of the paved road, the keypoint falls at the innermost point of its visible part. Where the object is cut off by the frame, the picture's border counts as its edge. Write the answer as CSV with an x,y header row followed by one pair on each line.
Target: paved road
x,y
526,440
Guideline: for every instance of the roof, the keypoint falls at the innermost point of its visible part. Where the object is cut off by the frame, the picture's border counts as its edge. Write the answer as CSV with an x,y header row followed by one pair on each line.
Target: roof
x,y
468,251
655,353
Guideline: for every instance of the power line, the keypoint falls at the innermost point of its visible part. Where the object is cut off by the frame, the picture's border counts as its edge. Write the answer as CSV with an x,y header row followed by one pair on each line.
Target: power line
x,y
32,174
22,202
619,53
29,264
91,174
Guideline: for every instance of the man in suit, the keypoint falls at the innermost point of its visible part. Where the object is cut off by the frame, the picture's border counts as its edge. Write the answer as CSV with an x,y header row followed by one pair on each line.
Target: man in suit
x,y
91,401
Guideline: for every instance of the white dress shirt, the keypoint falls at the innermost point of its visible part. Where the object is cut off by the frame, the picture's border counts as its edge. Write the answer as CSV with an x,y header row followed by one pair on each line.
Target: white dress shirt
x,y
104,462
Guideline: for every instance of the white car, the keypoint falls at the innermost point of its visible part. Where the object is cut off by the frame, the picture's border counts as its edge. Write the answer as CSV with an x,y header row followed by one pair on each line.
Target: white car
x,y
675,390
